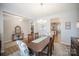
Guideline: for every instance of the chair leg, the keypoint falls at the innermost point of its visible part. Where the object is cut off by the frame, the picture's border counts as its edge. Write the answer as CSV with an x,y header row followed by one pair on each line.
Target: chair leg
x,y
38,53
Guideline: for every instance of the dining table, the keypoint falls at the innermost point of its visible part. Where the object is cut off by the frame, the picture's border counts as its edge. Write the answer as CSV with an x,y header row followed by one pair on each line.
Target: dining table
x,y
39,44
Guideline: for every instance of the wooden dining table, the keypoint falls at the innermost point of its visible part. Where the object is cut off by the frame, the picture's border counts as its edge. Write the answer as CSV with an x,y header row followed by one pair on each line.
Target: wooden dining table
x,y
39,44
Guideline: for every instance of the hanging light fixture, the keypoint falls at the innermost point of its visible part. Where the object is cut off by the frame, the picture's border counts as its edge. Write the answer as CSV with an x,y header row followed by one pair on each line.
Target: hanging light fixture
x,y
41,4
20,20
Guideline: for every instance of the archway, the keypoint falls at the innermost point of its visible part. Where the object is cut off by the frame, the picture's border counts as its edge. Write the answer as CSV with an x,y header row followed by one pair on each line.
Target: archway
x,y
55,28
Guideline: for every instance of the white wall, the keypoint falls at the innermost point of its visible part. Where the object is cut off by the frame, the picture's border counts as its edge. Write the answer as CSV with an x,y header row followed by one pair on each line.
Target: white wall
x,y
68,16
42,28
67,34
78,18
10,21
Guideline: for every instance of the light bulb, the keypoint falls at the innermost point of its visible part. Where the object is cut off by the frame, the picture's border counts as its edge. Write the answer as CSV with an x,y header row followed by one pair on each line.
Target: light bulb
x,y
20,20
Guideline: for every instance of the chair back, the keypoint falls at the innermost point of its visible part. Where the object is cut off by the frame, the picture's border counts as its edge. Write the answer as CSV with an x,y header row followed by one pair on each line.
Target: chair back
x,y
23,48
51,45
30,37
36,35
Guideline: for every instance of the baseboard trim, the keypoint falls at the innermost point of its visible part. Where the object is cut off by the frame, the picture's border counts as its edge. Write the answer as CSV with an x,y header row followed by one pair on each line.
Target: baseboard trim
x,y
65,43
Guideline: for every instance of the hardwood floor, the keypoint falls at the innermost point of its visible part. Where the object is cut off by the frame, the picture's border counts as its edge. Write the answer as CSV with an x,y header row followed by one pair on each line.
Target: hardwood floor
x,y
11,50
59,50
57,38
12,47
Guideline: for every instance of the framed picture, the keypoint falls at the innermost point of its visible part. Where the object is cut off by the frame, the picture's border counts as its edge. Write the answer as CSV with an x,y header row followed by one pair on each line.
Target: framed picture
x,y
67,25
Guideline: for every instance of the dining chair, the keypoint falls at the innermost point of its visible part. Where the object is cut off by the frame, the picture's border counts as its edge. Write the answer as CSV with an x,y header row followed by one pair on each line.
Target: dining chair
x,y
36,35
73,47
24,51
30,37
51,45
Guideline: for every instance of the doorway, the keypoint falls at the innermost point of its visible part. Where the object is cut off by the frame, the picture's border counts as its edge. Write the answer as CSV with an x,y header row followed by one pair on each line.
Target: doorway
x,y
55,29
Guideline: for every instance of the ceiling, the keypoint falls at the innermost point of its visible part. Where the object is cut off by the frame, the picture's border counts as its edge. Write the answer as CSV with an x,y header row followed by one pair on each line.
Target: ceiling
x,y
36,10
